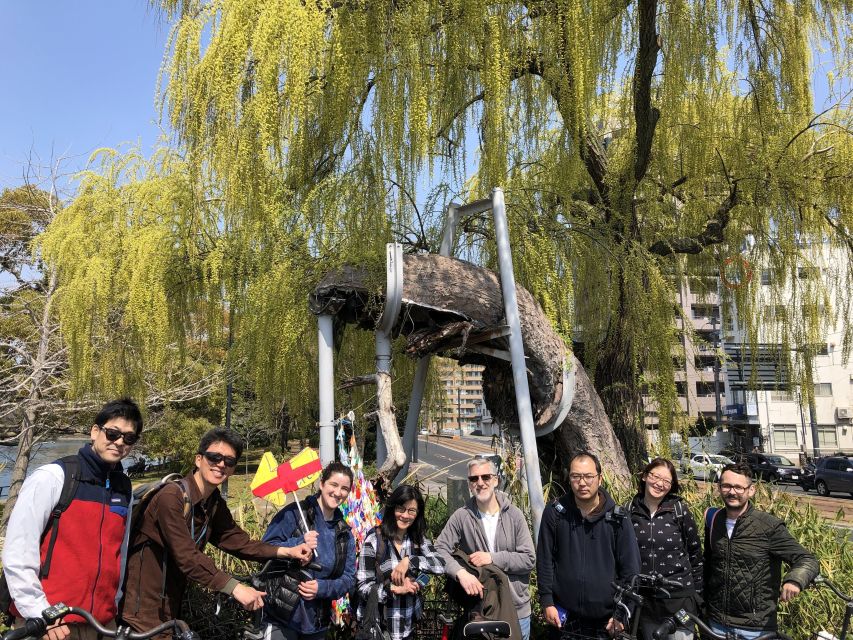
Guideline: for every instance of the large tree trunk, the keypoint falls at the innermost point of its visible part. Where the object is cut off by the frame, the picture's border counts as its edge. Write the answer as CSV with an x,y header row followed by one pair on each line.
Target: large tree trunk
x,y
616,381
455,309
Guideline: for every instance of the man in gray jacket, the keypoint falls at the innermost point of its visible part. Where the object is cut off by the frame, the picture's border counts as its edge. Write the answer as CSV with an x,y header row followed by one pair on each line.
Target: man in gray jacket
x,y
492,531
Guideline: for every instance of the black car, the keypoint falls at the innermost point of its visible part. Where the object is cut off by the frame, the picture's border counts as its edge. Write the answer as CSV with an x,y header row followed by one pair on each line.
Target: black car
x,y
771,467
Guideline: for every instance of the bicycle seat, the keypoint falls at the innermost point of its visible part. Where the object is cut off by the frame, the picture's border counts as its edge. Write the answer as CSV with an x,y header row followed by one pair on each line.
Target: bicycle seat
x,y
483,628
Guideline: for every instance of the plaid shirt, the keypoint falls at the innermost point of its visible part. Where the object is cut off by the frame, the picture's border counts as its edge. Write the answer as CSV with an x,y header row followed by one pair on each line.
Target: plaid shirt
x,y
400,611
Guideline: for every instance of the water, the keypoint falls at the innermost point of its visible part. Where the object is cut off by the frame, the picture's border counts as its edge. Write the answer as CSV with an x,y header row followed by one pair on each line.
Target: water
x,y
44,453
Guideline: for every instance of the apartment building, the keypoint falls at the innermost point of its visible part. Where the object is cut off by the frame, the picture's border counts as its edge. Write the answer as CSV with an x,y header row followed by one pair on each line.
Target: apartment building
x,y
750,396
462,409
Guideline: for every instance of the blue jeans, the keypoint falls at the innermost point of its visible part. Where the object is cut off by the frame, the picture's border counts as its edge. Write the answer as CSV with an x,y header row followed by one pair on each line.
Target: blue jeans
x,y
743,634
524,623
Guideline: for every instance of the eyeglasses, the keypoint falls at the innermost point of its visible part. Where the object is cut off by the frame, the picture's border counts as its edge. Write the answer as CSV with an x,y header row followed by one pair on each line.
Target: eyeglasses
x,y
733,488
402,510
215,458
586,477
113,435
656,479
485,477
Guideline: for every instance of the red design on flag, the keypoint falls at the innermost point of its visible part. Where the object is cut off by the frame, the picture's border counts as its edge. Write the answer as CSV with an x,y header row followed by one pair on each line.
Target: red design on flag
x,y
288,477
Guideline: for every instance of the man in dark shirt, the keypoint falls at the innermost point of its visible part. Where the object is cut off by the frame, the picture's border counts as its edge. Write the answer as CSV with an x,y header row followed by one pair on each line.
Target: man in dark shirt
x,y
169,538
583,546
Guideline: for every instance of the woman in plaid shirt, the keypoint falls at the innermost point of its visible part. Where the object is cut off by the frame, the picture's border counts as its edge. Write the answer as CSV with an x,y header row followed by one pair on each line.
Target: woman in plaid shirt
x,y
404,554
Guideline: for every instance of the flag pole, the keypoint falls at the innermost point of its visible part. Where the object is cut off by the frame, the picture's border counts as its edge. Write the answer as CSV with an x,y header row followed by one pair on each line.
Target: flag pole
x,y
302,515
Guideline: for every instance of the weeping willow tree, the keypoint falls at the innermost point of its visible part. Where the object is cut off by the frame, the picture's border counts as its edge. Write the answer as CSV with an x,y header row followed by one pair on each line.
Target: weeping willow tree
x,y
635,141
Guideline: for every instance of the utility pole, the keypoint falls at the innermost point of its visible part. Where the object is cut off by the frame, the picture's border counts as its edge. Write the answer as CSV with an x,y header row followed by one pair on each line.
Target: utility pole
x,y
717,343
808,359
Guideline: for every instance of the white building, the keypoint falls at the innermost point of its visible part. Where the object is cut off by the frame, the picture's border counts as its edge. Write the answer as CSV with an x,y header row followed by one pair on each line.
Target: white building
x,y
766,417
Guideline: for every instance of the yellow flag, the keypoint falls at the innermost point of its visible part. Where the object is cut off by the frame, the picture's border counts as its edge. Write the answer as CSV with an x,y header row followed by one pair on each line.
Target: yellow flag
x,y
305,457
268,470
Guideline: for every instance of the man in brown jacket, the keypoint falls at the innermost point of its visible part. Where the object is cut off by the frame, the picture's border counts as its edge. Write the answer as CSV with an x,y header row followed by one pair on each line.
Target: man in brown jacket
x,y
169,539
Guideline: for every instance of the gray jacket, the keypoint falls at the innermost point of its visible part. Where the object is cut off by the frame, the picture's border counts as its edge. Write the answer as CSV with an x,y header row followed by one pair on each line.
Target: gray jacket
x,y
514,553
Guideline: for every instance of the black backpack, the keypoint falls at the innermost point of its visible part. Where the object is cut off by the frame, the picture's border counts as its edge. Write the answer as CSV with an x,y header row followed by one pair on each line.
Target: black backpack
x,y
71,467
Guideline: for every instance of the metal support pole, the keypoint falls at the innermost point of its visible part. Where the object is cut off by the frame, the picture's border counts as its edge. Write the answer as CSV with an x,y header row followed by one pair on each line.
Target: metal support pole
x,y
383,365
519,368
410,435
326,379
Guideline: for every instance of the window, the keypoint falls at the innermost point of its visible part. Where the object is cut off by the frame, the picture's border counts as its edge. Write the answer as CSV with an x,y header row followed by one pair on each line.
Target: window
x,y
785,436
705,311
776,312
782,395
808,273
681,387
827,436
704,389
823,389
766,276
704,362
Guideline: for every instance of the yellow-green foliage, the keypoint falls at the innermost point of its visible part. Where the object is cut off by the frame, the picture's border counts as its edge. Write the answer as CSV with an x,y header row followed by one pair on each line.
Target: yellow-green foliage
x,y
305,129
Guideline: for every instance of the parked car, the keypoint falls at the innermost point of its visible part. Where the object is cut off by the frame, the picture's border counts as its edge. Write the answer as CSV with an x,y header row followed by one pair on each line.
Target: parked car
x,y
706,466
833,473
770,467
806,481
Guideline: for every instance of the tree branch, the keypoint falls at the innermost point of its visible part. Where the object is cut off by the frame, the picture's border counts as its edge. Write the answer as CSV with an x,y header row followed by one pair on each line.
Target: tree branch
x,y
645,114
713,233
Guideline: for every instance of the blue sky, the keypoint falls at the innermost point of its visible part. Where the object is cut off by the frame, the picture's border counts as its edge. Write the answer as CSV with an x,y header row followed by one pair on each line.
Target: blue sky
x,y
76,76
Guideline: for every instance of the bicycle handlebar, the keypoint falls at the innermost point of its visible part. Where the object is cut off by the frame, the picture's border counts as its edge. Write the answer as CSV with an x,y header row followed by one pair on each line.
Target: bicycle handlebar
x,y
36,627
684,618
823,581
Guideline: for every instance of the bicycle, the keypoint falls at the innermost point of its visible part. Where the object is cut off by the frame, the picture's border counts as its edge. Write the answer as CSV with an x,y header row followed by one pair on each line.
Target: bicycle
x,y
653,583
687,620
821,581
37,627
478,628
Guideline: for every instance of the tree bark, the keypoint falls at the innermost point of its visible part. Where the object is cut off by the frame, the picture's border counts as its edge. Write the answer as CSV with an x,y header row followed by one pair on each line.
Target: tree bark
x,y
455,309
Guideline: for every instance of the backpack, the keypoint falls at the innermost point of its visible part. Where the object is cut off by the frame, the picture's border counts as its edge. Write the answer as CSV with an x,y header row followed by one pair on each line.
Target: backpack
x,y
710,518
71,480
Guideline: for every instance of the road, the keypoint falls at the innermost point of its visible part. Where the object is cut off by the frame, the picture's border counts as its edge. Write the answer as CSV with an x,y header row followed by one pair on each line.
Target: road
x,y
440,457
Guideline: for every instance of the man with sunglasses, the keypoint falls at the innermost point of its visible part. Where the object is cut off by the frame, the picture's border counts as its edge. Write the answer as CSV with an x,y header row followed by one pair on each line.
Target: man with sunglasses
x,y
166,546
491,530
744,551
80,562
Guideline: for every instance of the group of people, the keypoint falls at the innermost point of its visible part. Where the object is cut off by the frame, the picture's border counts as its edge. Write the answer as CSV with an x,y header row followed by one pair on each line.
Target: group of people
x,y
99,559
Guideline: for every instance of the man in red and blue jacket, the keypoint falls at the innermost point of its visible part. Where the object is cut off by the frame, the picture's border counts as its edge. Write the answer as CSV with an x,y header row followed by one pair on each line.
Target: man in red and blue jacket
x,y
85,562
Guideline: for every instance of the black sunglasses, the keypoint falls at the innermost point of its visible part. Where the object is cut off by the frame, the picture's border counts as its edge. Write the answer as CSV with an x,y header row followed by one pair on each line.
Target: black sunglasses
x,y
486,477
215,458
113,435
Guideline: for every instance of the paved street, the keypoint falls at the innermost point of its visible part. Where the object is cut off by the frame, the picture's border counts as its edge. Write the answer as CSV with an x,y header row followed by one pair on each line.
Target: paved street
x,y
440,457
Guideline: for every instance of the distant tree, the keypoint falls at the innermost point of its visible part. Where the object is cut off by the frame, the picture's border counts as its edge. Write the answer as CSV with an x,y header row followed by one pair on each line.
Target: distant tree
x,y
32,355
